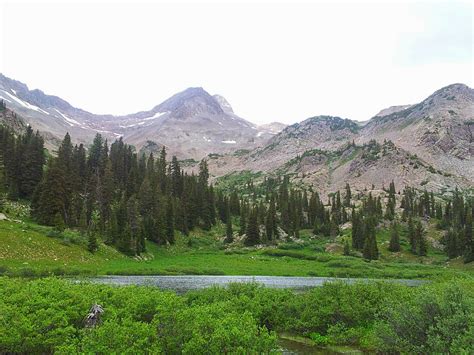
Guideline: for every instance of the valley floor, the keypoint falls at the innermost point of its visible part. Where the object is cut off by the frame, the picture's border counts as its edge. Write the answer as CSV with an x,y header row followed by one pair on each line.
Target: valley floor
x,y
27,249
43,314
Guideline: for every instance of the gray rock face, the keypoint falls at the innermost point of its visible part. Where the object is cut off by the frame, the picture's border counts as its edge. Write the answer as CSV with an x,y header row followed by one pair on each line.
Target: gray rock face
x,y
440,129
224,104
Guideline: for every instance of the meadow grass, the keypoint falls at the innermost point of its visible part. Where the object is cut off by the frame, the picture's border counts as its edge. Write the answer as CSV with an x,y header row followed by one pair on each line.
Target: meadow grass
x,y
27,249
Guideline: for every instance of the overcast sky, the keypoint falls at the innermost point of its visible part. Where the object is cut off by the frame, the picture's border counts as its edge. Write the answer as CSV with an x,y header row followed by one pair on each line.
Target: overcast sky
x,y
273,62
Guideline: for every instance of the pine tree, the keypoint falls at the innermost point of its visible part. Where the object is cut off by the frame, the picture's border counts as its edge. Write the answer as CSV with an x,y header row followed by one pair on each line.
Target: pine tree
x,y
252,233
451,243
422,246
347,196
468,240
370,251
412,235
243,220
270,221
347,248
229,234
419,239
394,245
357,231
92,244
169,222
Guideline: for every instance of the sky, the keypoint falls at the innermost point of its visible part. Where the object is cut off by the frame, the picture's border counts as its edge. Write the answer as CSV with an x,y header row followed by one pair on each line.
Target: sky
x,y
273,61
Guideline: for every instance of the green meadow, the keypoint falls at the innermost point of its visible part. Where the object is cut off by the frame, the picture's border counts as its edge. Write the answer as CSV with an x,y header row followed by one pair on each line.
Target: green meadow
x,y
28,249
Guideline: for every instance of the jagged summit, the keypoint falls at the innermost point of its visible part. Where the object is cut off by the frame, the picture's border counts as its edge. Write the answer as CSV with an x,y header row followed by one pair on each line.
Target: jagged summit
x,y
191,123
190,102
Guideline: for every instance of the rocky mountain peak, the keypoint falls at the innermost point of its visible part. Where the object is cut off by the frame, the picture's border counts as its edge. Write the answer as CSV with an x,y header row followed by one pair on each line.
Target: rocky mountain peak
x,y
450,95
191,102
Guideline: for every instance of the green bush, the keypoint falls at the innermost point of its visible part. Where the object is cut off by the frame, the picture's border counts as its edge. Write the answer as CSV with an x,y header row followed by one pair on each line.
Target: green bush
x,y
436,320
319,339
47,315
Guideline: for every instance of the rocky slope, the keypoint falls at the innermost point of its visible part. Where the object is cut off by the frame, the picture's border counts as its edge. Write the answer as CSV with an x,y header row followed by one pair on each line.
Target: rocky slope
x,y
430,144
440,129
11,119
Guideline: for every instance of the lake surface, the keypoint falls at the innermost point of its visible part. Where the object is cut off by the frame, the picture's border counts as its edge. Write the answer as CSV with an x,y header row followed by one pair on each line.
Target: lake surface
x,y
193,282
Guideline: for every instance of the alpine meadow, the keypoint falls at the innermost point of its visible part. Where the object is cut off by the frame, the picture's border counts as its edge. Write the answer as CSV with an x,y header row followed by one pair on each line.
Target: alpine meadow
x,y
188,229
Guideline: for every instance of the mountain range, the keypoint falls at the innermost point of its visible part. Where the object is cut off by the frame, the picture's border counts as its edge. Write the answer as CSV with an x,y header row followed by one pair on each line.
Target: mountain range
x,y
191,124
429,144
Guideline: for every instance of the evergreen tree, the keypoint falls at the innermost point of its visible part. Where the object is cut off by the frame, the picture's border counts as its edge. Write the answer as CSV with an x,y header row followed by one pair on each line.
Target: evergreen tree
x,y
422,247
169,222
270,221
347,196
229,234
419,239
468,240
92,244
243,220
252,232
357,231
412,235
394,245
370,251
347,248
451,243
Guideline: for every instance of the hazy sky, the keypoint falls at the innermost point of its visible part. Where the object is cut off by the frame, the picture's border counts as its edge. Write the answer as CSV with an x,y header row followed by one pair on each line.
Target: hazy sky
x,y
272,61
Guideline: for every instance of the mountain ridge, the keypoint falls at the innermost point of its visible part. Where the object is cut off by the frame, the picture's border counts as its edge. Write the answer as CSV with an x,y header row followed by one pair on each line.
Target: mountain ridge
x,y
437,133
215,127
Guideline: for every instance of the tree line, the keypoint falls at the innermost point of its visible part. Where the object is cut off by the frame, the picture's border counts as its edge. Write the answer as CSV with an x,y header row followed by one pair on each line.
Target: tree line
x,y
287,210
121,196
124,198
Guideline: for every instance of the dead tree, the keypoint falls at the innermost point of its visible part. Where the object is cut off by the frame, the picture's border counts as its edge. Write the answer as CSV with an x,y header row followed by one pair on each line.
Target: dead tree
x,y
93,318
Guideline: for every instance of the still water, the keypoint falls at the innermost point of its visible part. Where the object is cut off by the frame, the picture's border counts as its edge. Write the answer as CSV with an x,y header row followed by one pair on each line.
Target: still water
x,y
182,283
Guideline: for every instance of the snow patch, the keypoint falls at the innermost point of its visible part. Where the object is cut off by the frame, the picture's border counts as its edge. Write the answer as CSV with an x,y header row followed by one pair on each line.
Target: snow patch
x,y
70,121
109,132
25,104
206,139
259,134
155,116
229,142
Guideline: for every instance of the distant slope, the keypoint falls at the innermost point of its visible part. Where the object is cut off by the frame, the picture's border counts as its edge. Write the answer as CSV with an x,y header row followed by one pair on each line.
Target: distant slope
x,y
440,129
191,124
433,147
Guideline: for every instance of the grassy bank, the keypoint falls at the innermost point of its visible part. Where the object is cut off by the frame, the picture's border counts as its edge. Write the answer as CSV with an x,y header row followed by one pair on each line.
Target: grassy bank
x,y
47,315
27,249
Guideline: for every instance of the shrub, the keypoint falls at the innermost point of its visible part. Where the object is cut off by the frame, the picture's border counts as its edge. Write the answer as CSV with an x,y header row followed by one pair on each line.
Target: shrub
x,y
434,321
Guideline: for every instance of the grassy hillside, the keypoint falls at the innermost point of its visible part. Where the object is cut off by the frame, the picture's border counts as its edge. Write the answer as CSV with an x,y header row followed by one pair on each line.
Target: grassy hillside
x,y
29,249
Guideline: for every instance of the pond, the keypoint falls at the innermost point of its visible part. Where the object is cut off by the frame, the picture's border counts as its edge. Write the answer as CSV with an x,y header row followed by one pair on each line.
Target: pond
x,y
183,283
